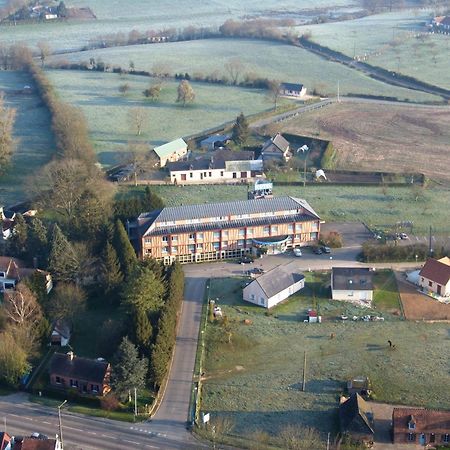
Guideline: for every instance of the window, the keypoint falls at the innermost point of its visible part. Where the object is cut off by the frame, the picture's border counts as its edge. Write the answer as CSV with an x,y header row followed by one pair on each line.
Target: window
x,y
174,238
199,236
210,174
261,301
74,383
225,234
57,380
199,246
411,437
174,249
221,173
266,230
249,231
165,249
252,296
430,283
191,248
216,245
411,425
216,235
315,226
290,228
2,274
191,175
313,236
191,237
446,438
94,388
241,242
298,227
165,238
274,230
241,232
148,240
432,438
224,244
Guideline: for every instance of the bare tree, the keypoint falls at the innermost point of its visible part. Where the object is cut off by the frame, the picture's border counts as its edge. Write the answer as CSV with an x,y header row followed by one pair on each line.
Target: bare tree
x,y
185,93
22,307
274,92
137,117
7,142
234,67
124,88
138,156
67,301
44,51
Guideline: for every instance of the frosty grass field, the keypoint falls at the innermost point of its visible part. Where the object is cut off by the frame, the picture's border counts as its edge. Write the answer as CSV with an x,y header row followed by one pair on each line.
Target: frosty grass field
x,y
265,59
107,110
257,378
395,41
35,145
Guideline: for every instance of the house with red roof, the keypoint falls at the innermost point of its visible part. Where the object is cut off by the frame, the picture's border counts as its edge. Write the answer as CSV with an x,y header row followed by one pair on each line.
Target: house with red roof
x,y
435,276
421,426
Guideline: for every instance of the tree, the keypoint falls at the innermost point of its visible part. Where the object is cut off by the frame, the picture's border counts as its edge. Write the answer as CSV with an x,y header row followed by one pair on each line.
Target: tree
x,y
137,118
143,290
185,93
138,156
124,249
240,131
152,201
111,276
234,67
124,88
143,329
22,308
37,243
67,301
13,360
7,142
129,371
44,51
153,92
18,242
274,92
62,10
62,262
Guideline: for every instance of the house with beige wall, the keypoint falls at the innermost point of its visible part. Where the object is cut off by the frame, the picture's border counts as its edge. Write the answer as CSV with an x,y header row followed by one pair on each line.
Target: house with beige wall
x,y
170,152
274,286
435,276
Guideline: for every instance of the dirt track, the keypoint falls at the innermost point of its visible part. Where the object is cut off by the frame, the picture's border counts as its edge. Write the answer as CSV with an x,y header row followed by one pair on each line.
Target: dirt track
x,y
418,306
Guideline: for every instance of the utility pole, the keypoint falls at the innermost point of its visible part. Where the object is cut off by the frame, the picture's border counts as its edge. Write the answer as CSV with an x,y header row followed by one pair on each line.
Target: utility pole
x,y
430,248
60,423
135,403
328,441
304,374
338,96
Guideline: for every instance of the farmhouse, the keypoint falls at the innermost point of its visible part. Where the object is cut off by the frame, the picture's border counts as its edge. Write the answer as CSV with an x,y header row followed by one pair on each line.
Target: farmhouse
x,y
435,277
172,151
292,89
421,426
273,287
87,376
221,166
215,141
211,231
352,284
276,148
13,270
356,419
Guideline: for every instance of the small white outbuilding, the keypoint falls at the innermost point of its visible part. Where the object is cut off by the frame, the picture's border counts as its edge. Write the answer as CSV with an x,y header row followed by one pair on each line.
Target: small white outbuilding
x,y
273,287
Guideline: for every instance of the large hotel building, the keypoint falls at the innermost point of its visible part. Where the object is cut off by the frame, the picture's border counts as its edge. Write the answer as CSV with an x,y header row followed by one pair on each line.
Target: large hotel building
x,y
214,231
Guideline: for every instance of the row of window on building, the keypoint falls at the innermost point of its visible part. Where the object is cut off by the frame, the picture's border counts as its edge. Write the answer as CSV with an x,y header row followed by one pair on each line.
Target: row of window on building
x,y
412,437
74,384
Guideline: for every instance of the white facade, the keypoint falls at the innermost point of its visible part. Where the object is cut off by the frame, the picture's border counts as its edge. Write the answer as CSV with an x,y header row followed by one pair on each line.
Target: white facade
x,y
200,176
352,295
428,285
254,293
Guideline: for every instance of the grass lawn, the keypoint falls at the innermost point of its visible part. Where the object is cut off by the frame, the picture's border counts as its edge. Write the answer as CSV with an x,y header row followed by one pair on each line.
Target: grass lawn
x,y
396,41
107,111
264,58
257,378
35,145
373,205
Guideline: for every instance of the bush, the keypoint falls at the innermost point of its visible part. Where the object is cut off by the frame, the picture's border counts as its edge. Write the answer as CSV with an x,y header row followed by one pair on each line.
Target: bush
x,y
109,403
328,160
388,252
332,239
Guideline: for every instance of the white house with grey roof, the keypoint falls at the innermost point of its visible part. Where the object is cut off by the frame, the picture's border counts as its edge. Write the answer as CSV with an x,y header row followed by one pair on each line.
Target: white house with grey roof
x,y
353,284
274,286
170,152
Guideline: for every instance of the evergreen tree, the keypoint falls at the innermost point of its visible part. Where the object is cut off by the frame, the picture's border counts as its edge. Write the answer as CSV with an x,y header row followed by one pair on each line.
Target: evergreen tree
x,y
111,275
18,242
144,290
143,330
152,201
124,249
62,262
129,371
240,130
38,242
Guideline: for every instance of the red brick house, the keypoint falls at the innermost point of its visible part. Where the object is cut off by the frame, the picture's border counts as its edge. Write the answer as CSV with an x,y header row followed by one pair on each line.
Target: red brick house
x,y
87,376
421,426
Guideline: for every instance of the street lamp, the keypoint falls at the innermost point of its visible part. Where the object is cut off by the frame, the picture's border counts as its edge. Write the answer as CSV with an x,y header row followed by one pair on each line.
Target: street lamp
x,y
60,424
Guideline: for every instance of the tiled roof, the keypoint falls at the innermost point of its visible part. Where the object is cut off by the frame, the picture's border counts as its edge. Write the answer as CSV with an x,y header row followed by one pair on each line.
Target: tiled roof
x,y
225,209
36,444
426,420
278,141
78,368
291,86
436,271
277,280
355,416
354,278
167,149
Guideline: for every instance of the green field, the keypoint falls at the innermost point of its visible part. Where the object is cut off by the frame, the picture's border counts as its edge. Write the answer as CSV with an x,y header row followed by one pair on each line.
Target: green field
x,y
107,111
256,379
373,205
263,58
395,41
35,145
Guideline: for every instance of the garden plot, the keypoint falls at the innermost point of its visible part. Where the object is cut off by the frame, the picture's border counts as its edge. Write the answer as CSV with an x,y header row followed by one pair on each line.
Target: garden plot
x,y
35,145
261,58
108,111
397,41
257,378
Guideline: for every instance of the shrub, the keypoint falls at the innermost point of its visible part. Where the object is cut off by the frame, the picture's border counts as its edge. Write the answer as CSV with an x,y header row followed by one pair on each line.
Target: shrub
x,y
332,239
328,160
109,403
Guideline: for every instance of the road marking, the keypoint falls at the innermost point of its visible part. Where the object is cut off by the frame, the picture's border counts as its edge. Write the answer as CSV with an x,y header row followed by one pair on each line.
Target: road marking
x,y
47,423
151,446
132,442
77,429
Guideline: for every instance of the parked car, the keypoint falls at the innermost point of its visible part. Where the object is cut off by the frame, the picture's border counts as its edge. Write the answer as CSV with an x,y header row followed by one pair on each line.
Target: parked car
x,y
317,250
326,249
297,252
258,270
245,260
404,236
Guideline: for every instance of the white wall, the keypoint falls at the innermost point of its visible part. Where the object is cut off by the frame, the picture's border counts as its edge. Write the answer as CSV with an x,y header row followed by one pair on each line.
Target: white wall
x,y
197,176
349,295
283,295
445,289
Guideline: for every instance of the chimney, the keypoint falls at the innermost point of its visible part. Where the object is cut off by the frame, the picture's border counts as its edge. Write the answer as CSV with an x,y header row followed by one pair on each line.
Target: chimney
x,y
70,355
